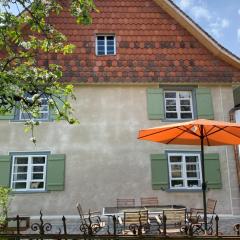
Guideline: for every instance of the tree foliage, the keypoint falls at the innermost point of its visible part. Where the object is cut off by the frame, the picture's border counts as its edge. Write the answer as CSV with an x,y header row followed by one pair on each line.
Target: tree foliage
x,y
22,82
4,202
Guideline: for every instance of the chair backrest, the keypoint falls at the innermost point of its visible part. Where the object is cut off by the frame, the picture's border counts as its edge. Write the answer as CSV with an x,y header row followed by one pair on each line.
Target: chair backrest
x,y
135,218
149,201
175,216
80,211
211,205
125,202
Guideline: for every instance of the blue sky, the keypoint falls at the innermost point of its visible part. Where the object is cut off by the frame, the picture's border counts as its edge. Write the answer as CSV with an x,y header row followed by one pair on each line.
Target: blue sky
x,y
220,18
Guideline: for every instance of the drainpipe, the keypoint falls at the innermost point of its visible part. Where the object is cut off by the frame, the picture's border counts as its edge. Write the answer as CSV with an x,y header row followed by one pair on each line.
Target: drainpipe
x,y
232,118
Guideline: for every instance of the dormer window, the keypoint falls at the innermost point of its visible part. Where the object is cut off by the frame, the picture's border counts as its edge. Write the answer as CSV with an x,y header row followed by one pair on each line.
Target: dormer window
x,y
105,45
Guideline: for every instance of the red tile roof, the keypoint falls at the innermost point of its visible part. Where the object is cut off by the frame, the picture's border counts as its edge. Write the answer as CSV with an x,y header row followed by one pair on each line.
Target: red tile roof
x,y
151,47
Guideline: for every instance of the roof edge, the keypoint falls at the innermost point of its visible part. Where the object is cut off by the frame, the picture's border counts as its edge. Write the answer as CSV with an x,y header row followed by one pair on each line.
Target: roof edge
x,y
203,37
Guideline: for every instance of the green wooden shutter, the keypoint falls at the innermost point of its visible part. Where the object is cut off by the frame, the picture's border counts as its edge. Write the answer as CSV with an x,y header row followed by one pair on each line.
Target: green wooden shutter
x,y
204,103
159,169
236,96
56,172
8,115
155,106
212,171
59,102
5,165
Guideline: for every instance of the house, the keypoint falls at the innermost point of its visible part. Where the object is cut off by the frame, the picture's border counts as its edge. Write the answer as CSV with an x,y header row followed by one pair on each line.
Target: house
x,y
142,63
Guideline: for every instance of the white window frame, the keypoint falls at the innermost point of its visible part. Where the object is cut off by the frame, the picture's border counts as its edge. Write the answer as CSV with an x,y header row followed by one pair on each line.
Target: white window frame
x,y
21,118
105,44
29,173
184,171
178,106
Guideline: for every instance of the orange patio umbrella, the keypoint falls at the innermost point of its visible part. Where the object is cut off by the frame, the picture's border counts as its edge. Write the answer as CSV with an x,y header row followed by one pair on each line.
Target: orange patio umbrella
x,y
197,132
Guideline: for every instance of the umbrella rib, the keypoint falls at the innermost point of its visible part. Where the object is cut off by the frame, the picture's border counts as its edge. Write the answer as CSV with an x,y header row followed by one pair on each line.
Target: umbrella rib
x,y
220,129
209,130
156,132
206,135
190,131
183,131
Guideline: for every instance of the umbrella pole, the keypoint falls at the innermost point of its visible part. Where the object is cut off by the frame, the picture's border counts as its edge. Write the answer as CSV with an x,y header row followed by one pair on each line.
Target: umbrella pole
x,y
204,184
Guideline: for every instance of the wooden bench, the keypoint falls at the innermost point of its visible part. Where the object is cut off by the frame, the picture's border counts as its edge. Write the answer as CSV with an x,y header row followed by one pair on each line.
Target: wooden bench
x,y
149,201
125,202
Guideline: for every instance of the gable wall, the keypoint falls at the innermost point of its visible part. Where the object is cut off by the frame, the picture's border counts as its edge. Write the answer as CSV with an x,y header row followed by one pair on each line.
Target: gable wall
x,y
151,47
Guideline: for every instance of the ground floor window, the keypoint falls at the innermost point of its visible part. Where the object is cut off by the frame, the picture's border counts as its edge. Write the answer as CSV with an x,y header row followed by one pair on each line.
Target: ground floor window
x,y
28,172
184,170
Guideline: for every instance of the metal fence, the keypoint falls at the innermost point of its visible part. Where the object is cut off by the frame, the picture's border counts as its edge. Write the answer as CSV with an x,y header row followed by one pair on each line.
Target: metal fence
x,y
92,229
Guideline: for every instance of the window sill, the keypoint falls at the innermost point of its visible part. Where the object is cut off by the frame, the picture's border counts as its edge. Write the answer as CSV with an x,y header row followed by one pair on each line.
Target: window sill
x,y
28,192
183,190
177,120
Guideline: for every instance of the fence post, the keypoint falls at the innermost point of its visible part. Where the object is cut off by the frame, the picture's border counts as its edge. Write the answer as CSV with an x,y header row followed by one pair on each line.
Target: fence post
x,y
64,225
217,221
114,225
164,225
18,224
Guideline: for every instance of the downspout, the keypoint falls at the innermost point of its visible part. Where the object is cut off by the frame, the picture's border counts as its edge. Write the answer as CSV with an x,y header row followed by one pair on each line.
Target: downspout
x,y
236,147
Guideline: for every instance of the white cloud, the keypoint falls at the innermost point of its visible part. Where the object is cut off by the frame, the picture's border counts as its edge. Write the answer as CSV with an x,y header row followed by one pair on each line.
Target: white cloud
x,y
200,12
217,27
239,11
184,4
238,34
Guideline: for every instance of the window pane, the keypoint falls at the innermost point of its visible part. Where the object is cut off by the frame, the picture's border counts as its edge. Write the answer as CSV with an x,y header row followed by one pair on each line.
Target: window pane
x,y
101,43
186,115
100,37
19,177
20,169
171,115
191,167
37,176
176,174
186,108
110,50
175,158
193,183
171,102
111,38
25,116
185,102
37,185
191,159
38,160
170,94
38,169
177,183
19,185
185,94
171,108
21,160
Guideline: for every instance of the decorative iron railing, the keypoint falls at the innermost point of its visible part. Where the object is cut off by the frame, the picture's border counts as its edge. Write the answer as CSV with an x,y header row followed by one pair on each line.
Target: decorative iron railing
x,y
91,228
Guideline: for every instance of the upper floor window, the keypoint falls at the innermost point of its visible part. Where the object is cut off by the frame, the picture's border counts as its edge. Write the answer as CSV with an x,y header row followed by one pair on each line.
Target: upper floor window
x,y
178,105
184,170
28,172
105,45
43,114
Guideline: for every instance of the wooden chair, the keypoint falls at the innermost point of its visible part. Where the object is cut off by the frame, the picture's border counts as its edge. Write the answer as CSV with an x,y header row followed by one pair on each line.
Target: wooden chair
x,y
125,202
135,221
149,201
196,220
90,219
175,220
